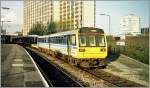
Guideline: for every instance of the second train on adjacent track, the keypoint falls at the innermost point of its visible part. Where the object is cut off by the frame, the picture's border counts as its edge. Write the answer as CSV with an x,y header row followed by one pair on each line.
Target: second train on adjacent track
x,y
86,46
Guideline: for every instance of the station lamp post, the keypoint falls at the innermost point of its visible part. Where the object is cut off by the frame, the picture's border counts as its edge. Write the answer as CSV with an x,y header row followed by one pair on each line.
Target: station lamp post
x,y
109,20
109,27
2,22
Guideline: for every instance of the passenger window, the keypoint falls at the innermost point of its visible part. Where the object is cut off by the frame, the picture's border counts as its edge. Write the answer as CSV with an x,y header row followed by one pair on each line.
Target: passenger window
x,y
82,41
49,39
73,40
92,41
101,41
46,40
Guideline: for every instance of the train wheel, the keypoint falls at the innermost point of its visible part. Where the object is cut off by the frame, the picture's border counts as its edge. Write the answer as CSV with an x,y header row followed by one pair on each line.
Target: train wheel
x,y
70,60
78,65
53,54
84,64
104,66
50,53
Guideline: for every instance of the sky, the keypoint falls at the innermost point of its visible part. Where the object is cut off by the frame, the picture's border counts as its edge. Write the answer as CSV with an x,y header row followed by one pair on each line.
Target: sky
x,y
116,9
14,14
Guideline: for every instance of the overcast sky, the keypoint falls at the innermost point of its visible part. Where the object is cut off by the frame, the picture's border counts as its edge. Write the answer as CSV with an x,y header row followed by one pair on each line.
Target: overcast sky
x,y
116,9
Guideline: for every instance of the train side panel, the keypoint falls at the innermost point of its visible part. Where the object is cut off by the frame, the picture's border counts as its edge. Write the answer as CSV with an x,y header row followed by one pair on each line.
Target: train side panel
x,y
61,48
74,51
43,45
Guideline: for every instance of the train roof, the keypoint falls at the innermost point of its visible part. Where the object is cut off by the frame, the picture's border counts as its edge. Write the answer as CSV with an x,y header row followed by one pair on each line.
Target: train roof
x,y
60,33
80,30
31,36
91,29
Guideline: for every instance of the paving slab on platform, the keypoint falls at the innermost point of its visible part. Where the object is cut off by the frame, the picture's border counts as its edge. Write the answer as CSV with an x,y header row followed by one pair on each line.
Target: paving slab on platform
x,y
17,68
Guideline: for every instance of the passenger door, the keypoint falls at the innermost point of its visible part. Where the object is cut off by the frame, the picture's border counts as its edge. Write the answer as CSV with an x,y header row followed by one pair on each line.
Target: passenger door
x,y
73,45
69,45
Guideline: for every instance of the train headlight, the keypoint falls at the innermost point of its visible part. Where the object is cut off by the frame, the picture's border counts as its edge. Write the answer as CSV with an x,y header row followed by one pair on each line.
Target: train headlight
x,y
102,49
81,50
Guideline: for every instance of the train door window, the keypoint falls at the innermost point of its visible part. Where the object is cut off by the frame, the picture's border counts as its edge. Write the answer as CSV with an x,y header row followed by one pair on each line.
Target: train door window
x,y
38,39
58,40
52,40
61,40
101,41
44,40
92,41
65,39
73,40
55,41
49,39
82,40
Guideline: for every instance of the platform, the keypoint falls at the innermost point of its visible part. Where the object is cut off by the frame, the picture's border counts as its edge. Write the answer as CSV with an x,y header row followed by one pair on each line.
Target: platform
x,y
18,69
130,69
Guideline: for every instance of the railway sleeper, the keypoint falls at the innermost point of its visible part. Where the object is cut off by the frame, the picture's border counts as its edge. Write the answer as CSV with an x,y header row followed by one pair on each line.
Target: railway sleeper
x,y
92,63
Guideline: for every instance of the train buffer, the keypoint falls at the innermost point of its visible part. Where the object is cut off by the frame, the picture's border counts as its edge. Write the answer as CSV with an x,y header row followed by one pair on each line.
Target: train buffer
x,y
18,68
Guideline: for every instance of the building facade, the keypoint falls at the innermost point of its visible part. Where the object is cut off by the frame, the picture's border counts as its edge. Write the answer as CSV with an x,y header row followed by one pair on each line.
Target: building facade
x,y
39,11
145,30
130,24
77,13
70,14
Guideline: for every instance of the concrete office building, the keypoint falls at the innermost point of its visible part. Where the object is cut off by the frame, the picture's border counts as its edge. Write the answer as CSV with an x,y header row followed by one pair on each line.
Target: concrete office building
x,y
70,14
39,11
130,24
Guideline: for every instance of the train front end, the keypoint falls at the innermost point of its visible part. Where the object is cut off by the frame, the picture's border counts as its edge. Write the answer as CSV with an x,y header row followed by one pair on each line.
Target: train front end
x,y
92,47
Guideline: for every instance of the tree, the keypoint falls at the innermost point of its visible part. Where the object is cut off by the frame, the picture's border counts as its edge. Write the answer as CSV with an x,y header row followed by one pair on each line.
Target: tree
x,y
38,29
51,28
19,33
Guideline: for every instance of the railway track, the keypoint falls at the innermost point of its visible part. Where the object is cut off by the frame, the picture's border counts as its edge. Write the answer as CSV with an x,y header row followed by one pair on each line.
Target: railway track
x,y
112,79
54,76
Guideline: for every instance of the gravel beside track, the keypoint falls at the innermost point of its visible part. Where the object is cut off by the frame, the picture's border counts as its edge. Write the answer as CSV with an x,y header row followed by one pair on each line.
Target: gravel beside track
x,y
113,79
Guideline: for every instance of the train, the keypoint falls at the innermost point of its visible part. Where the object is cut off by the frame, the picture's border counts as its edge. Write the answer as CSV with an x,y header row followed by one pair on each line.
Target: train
x,y
25,40
85,47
